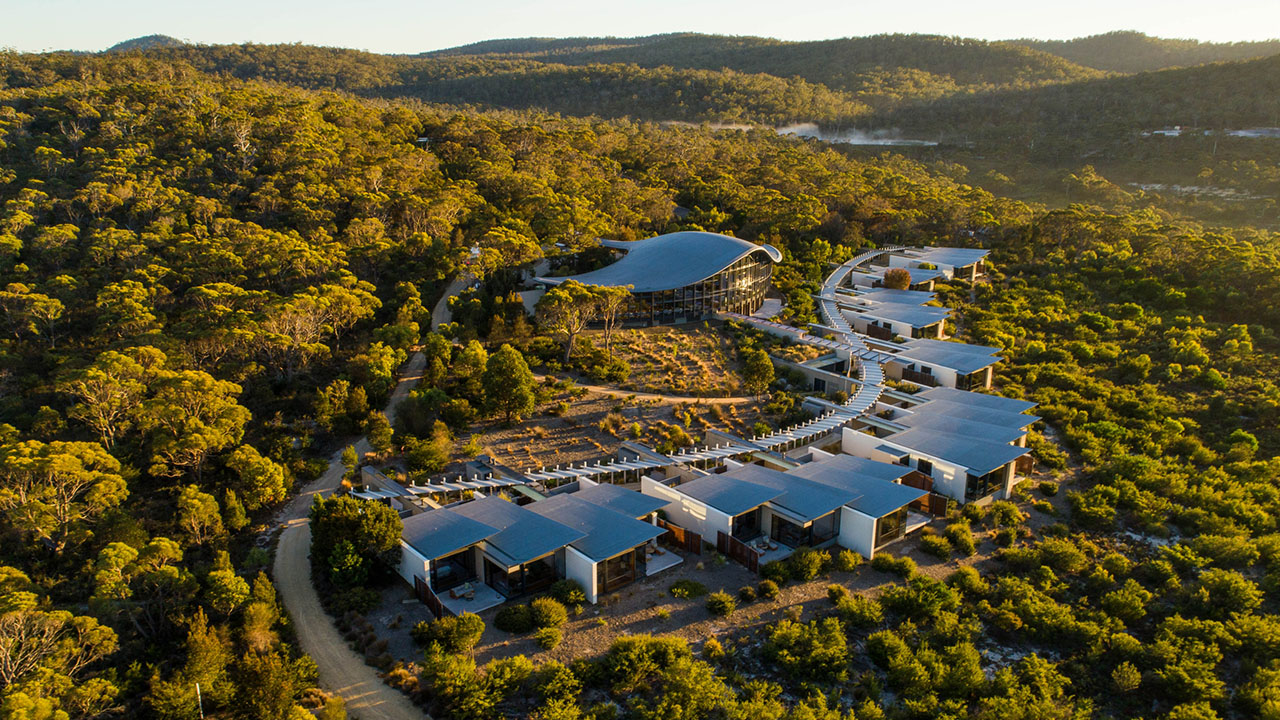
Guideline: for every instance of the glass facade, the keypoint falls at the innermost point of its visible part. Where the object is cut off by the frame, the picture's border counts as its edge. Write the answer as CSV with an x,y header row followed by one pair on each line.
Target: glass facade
x,y
739,288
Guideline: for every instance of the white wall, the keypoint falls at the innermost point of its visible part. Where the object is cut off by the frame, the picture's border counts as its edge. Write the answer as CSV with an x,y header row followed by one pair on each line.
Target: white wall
x,y
948,479
583,569
857,532
687,512
412,563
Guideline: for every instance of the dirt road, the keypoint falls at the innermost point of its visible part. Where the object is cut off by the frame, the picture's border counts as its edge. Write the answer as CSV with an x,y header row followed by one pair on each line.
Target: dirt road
x,y
342,671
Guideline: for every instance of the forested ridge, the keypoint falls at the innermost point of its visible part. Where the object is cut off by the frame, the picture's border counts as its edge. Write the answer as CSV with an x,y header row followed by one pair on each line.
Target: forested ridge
x,y
209,281
1131,52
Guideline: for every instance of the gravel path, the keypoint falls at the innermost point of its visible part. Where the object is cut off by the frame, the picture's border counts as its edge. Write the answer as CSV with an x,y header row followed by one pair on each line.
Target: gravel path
x,y
648,397
341,670
441,314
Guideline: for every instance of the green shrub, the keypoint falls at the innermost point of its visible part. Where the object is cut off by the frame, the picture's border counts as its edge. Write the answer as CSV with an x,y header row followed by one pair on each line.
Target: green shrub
x,y
548,637
515,619
721,604
1062,555
961,538
968,581
847,560
746,593
936,546
712,649
835,593
1048,488
547,613
920,597
1003,513
687,589
768,589
454,634
860,612
973,512
776,571
568,592
807,563
884,562
1045,507
816,651
1005,537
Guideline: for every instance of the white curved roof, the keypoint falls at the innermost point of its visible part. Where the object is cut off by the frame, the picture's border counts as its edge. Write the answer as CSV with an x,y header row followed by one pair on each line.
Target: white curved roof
x,y
670,261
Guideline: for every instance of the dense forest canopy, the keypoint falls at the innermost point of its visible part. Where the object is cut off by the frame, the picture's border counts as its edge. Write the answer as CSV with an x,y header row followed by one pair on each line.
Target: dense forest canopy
x,y
1132,52
213,263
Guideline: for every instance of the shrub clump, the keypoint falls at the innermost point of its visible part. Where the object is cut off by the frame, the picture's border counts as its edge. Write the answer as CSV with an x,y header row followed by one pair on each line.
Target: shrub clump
x,y
836,593
548,637
1048,488
768,589
776,571
568,593
936,546
961,538
904,566
721,604
746,593
860,612
547,613
687,589
847,560
453,634
515,619
806,563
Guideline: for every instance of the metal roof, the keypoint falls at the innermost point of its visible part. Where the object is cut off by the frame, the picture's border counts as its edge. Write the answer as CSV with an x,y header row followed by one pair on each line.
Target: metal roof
x,y
962,361
893,296
605,532
974,413
729,495
626,502
962,426
670,261
806,500
437,533
978,456
993,402
914,315
850,465
524,536
953,256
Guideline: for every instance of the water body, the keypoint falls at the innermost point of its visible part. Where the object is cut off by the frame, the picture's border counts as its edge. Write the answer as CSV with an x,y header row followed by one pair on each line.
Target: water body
x,y
853,137
812,131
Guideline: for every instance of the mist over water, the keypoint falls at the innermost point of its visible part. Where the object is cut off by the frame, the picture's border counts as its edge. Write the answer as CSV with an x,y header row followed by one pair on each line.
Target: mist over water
x,y
852,137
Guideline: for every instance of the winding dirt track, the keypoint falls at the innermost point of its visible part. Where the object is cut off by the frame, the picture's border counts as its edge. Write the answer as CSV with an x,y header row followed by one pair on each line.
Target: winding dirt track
x,y
342,671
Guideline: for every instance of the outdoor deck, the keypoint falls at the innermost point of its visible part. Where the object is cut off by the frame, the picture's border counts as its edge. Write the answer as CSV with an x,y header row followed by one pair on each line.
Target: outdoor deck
x,y
654,564
485,598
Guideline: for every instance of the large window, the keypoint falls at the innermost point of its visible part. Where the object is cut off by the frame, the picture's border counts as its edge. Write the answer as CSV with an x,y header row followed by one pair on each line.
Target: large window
x,y
823,529
528,578
739,288
978,487
816,533
924,466
891,526
451,571
747,525
616,572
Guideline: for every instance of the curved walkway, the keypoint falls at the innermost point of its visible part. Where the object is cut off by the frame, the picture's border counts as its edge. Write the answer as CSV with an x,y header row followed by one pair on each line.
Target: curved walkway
x,y
342,671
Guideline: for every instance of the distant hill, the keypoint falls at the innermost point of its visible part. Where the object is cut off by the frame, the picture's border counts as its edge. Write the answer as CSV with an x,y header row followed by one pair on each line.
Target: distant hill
x,y
843,64
1221,96
1132,52
146,42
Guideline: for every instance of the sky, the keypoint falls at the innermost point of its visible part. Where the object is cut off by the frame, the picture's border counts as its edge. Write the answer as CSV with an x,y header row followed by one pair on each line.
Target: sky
x,y
405,26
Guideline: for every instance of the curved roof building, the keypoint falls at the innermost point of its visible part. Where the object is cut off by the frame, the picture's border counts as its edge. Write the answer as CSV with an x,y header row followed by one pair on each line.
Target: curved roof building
x,y
685,276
